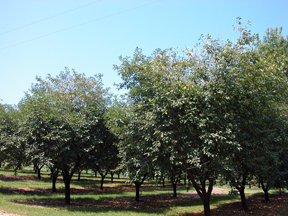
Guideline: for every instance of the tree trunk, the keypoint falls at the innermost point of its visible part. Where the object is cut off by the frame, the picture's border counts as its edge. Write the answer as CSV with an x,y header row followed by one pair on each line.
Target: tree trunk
x,y
266,195
163,181
206,204
39,174
54,184
201,189
119,175
265,189
102,181
137,184
79,175
67,180
242,193
35,168
174,187
112,174
243,199
67,192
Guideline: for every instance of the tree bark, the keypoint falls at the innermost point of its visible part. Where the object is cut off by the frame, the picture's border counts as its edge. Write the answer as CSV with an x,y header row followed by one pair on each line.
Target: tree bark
x,y
241,189
39,174
67,180
174,184
243,199
67,192
137,184
240,186
103,175
35,168
54,184
102,181
201,189
112,174
265,189
79,175
54,176
39,170
206,204
174,190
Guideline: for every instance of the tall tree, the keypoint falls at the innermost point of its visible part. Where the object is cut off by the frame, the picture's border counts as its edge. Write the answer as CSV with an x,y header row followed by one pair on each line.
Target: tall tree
x,y
194,105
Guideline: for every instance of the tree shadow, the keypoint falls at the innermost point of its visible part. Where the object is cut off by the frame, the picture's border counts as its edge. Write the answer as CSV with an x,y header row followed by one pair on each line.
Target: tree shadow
x,y
153,204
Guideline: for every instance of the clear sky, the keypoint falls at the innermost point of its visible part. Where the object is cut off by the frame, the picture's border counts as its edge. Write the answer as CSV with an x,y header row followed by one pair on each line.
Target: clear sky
x,y
40,37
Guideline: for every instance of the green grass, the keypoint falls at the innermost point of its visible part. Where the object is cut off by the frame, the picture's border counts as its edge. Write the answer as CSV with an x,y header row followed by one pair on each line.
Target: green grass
x,y
193,205
8,204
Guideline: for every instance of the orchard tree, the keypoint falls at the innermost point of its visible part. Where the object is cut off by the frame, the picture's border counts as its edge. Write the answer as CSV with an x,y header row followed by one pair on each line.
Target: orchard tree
x,y
135,160
105,158
65,120
189,104
12,137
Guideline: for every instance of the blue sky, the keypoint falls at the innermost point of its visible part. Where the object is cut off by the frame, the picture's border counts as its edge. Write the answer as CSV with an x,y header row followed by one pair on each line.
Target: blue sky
x,y
90,35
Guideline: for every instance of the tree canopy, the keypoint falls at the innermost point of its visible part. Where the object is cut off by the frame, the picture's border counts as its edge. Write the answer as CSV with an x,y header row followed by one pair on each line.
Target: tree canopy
x,y
205,106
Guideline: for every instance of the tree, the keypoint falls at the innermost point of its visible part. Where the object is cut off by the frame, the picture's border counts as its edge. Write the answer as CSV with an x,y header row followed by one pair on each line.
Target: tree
x,y
65,120
270,174
12,137
105,157
135,162
193,106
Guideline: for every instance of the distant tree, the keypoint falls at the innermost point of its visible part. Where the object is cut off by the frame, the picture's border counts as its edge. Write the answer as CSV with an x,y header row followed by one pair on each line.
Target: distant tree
x,y
135,162
105,158
12,137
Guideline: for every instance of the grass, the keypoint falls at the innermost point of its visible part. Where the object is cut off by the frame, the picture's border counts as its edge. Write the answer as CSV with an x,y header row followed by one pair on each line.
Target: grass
x,y
34,197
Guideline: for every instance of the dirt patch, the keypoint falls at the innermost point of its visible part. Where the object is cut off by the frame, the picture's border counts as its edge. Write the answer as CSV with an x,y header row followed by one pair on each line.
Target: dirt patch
x,y
257,206
3,213
79,190
154,201
16,178
149,201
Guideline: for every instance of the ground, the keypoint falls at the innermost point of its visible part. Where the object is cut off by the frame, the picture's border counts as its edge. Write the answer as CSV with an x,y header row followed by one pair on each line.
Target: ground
x,y
257,205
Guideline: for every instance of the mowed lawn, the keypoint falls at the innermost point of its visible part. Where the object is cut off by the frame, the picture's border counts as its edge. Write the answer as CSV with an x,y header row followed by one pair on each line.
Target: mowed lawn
x,y
24,194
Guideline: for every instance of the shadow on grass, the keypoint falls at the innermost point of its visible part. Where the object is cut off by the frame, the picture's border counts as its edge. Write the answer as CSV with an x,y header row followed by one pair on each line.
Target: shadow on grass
x,y
154,204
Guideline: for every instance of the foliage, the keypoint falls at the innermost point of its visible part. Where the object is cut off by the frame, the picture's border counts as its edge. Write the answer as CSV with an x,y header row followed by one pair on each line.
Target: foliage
x,y
13,149
64,117
203,107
